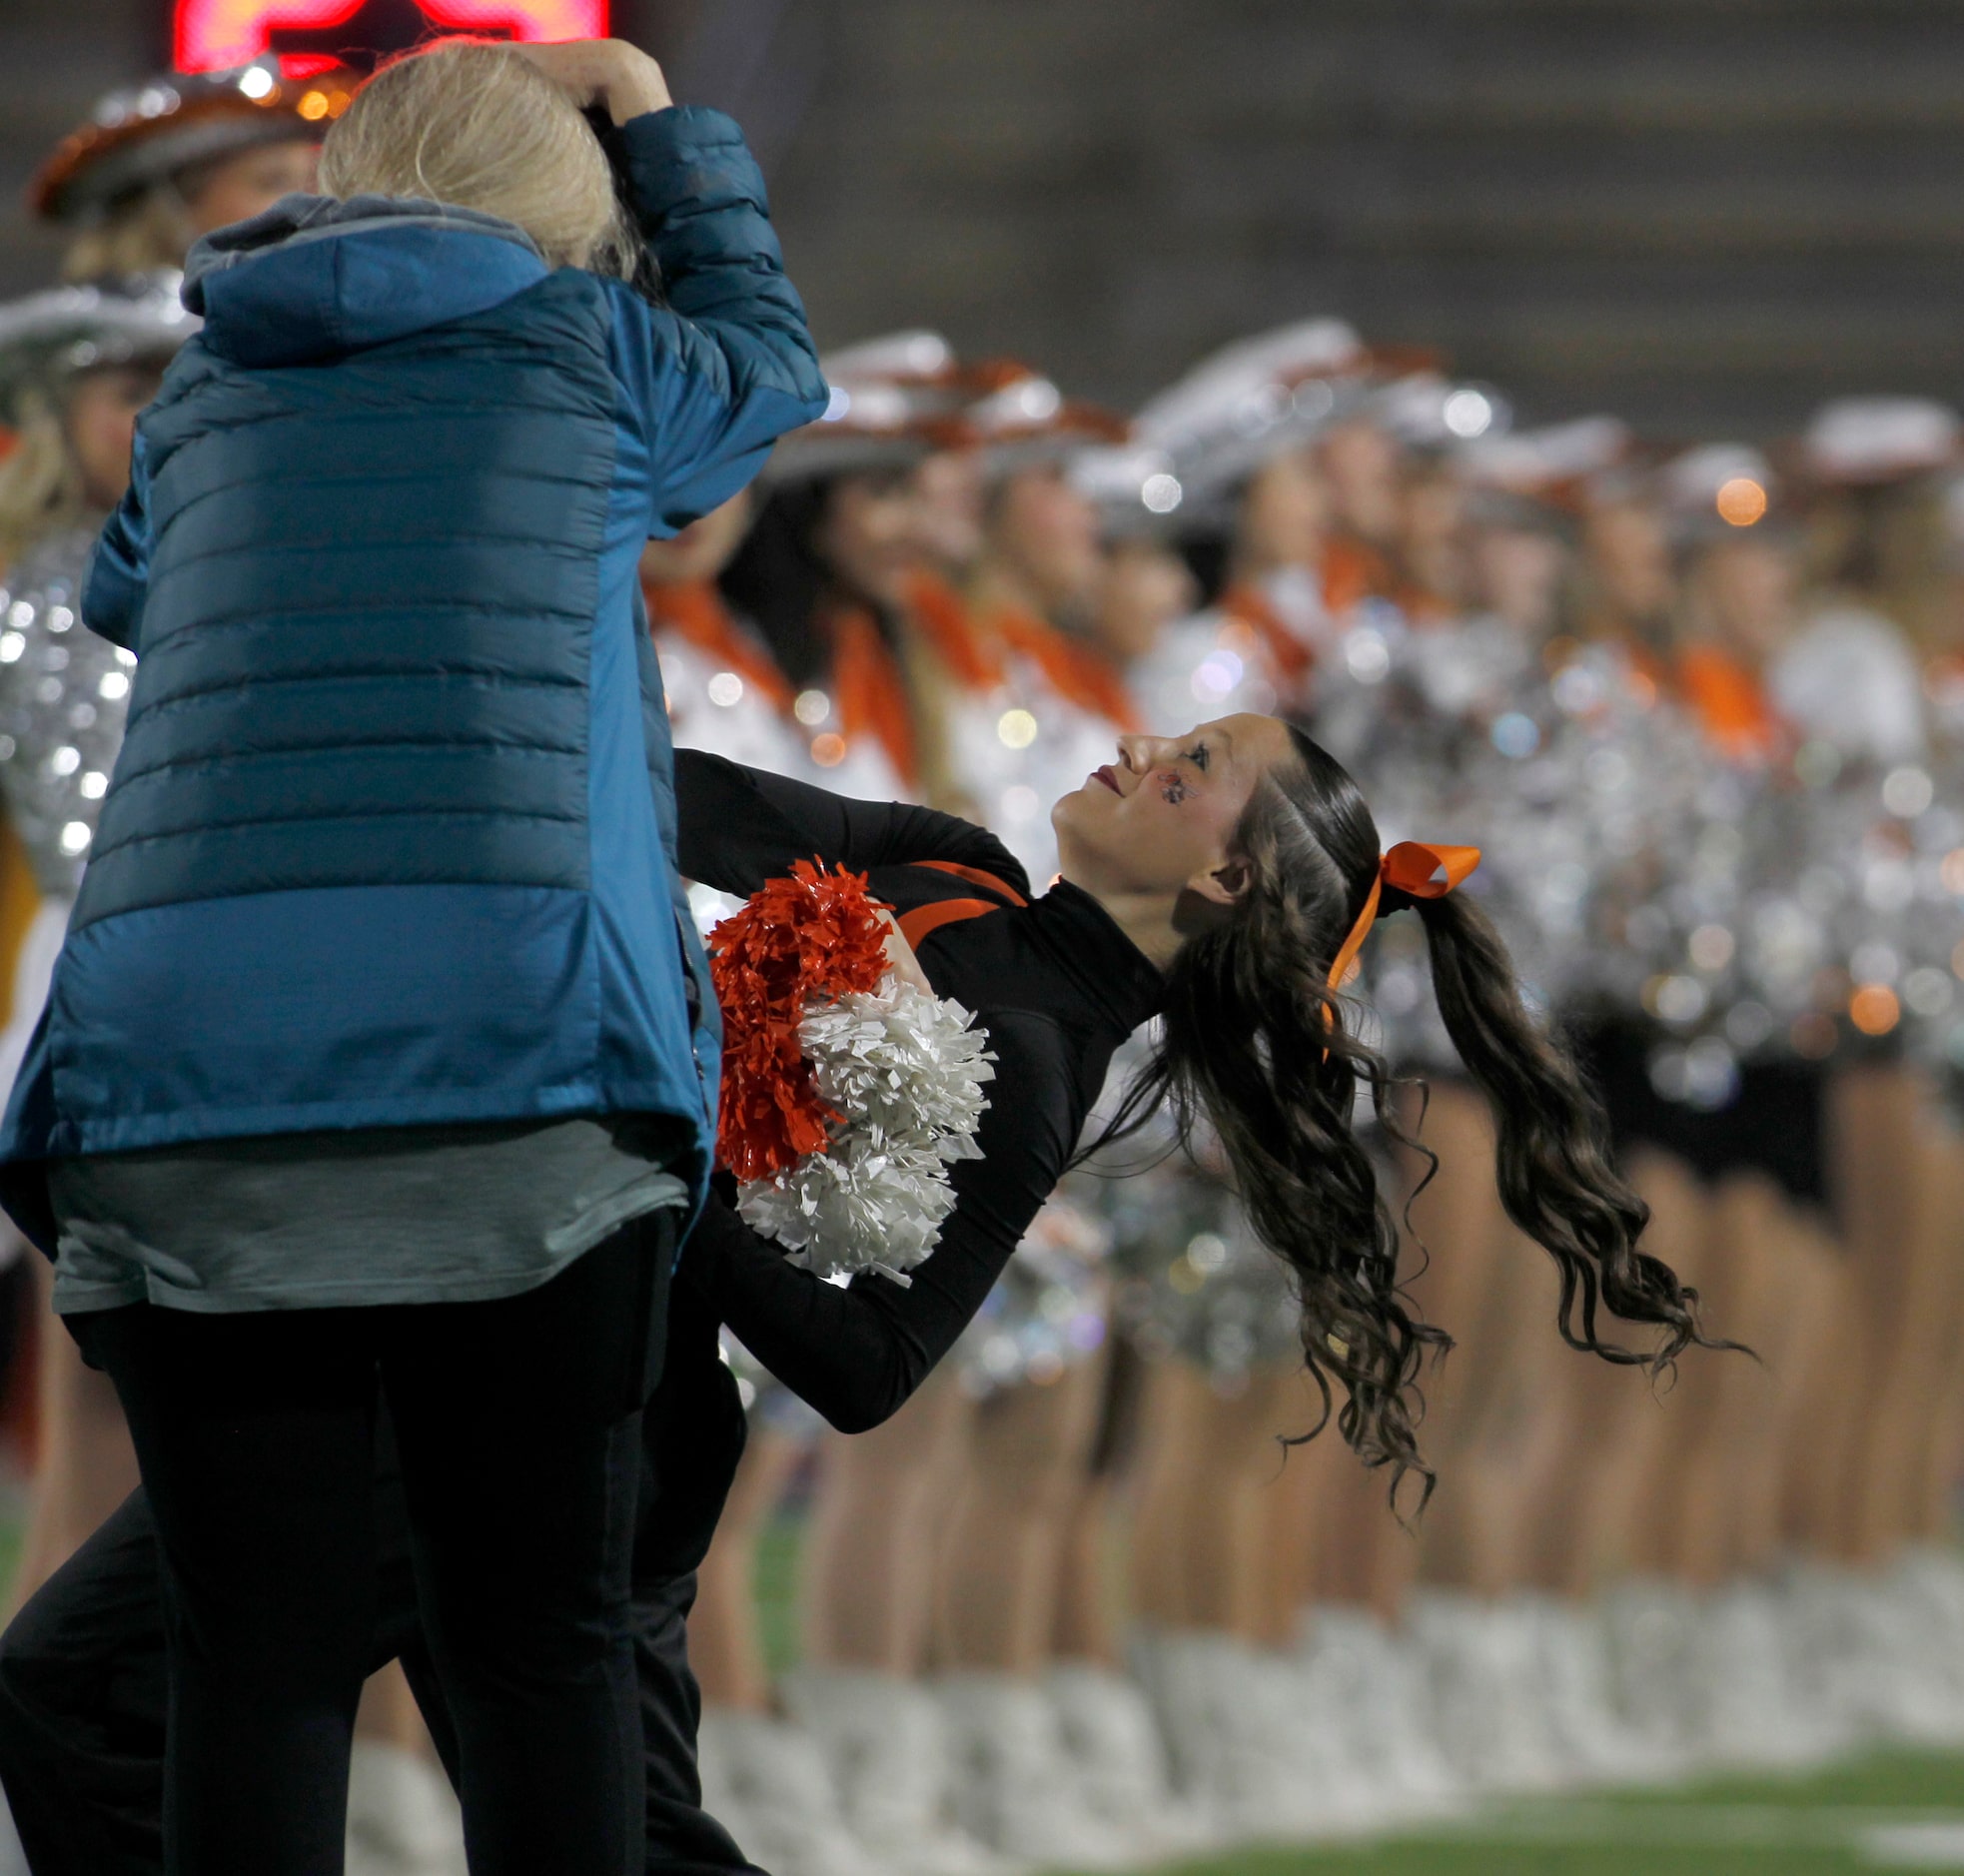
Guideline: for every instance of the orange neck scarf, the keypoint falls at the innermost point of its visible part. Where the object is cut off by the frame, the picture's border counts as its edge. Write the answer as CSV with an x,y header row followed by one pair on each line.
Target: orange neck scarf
x,y
1247,604
1074,671
1730,702
936,611
972,648
694,611
870,692
1353,570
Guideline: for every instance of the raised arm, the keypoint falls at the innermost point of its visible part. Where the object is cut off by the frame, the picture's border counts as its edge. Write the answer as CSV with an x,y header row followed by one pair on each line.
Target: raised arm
x,y
741,826
728,365
857,1354
722,371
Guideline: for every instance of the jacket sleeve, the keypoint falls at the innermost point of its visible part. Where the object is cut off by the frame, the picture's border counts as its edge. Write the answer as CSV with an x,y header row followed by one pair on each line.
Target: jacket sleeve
x,y
722,371
119,567
741,826
857,1354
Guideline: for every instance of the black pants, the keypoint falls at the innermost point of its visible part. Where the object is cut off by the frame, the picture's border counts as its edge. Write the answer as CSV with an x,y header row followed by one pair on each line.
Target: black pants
x,y
518,1423
82,1703
83,1697
82,1667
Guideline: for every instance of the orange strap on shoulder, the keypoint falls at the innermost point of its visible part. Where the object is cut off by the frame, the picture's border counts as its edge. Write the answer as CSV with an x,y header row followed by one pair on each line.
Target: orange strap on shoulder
x,y
937,612
916,925
1729,701
976,877
923,919
1075,674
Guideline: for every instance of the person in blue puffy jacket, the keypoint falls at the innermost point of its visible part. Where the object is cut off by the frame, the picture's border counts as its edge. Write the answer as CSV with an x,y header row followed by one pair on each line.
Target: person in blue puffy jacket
x,y
379,1045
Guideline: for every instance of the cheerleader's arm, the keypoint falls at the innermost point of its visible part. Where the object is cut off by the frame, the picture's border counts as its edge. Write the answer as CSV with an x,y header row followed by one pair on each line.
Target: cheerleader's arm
x,y
858,1353
738,827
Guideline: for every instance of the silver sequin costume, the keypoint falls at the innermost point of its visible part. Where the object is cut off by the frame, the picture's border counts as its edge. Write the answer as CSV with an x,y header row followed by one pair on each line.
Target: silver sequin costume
x,y
1047,1313
1457,734
1779,894
64,698
1193,1280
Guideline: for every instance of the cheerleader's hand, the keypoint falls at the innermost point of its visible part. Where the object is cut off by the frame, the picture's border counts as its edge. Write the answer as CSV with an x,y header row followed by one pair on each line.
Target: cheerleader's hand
x,y
900,959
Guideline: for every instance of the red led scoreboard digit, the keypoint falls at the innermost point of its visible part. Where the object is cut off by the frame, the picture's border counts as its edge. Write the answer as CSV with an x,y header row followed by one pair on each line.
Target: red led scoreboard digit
x,y
211,35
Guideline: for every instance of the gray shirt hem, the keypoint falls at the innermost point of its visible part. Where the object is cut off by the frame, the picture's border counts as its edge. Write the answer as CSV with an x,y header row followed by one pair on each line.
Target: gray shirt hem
x,y
367,1218
77,1296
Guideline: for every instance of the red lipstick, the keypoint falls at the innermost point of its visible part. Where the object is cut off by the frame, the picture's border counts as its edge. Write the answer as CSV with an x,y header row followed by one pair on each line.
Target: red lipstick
x,y
1106,776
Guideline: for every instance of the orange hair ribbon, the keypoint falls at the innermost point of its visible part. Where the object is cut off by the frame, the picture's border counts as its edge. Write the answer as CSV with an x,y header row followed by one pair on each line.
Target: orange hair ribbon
x,y
1417,870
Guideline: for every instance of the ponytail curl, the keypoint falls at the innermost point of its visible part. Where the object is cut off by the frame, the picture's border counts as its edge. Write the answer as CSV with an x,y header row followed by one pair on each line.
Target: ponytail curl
x,y
1252,1044
1553,1160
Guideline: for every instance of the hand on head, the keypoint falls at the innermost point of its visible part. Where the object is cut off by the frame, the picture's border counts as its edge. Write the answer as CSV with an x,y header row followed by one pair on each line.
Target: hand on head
x,y
606,72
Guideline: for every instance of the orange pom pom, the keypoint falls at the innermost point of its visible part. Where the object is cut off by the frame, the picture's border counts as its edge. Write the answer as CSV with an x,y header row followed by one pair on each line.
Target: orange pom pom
x,y
815,934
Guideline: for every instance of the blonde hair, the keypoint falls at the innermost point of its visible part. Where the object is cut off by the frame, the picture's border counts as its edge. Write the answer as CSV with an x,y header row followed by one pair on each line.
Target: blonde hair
x,y
477,125
40,481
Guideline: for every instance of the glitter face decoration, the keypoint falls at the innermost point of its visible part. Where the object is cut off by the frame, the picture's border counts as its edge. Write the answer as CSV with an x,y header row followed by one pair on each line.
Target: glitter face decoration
x,y
1172,787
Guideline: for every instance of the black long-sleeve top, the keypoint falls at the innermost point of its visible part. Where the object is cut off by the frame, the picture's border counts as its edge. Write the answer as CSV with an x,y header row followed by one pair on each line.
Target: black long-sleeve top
x,y
1054,981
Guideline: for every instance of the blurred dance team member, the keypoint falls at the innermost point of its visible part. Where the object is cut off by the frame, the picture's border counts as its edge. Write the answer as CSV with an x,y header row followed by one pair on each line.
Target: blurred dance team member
x,y
1024,708
825,569
77,363
156,165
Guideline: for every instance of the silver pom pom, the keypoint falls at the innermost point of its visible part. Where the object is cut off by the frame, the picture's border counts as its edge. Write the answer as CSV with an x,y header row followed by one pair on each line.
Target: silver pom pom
x,y
906,1071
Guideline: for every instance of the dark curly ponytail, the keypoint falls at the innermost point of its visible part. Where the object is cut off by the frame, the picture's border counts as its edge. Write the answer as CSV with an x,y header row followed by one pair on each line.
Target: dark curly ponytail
x,y
1253,1043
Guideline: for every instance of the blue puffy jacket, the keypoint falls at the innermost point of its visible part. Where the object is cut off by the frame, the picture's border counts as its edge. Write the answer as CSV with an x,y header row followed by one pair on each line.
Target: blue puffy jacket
x,y
391,839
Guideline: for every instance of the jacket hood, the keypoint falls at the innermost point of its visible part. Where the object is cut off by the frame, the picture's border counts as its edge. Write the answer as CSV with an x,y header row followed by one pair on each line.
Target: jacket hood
x,y
314,277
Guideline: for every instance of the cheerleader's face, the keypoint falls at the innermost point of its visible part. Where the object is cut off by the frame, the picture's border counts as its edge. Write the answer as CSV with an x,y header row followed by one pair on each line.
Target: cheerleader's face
x,y
1629,554
1518,576
1145,588
1048,532
1746,590
100,421
1285,514
1162,818
236,188
869,536
702,549
1433,536
1362,463
948,500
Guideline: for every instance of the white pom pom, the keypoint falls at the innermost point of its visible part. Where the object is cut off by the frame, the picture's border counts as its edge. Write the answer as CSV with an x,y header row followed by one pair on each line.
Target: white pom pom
x,y
906,1071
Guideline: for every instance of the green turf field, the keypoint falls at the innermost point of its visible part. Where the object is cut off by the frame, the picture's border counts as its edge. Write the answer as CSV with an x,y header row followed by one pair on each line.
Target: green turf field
x,y
777,1590
1899,1812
